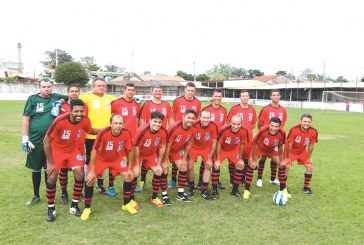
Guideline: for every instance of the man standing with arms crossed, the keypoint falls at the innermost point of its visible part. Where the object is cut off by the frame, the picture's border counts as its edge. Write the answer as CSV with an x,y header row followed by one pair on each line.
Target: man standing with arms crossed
x,y
180,105
99,106
274,109
36,120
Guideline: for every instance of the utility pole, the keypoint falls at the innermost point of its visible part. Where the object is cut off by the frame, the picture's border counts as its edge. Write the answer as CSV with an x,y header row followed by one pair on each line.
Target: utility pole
x,y
20,67
194,74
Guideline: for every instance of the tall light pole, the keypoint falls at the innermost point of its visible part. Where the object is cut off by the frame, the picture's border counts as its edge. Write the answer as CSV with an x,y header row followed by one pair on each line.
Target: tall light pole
x,y
194,74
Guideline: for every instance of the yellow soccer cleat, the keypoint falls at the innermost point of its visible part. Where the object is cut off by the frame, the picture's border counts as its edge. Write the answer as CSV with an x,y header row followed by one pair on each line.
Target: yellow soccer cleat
x,y
86,214
246,194
286,193
129,208
157,202
134,204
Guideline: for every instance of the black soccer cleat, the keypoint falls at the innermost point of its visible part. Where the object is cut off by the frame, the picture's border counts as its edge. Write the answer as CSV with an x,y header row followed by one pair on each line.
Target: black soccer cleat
x,y
64,199
75,210
307,190
221,186
199,185
51,215
215,194
166,201
191,192
205,195
182,198
236,193
101,189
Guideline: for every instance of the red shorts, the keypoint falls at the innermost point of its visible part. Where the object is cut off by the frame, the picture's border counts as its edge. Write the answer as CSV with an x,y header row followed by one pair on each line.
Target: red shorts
x,y
149,161
69,160
247,149
265,153
232,156
204,153
115,168
301,158
175,155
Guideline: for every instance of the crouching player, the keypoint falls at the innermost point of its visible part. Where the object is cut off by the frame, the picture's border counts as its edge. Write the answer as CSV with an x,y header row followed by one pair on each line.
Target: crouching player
x,y
230,145
268,142
300,143
150,147
204,145
111,145
61,147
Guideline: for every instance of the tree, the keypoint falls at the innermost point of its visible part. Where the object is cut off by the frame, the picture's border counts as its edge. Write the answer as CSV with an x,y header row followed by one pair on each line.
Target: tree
x,y
238,72
281,73
186,76
113,68
305,73
88,62
219,72
362,79
202,77
60,55
71,73
340,79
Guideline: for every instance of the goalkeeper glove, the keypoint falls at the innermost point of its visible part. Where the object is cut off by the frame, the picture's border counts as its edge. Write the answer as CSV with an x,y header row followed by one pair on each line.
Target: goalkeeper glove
x,y
136,99
26,145
55,108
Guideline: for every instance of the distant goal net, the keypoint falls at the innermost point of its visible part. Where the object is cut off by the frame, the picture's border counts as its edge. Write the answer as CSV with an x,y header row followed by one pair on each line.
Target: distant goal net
x,y
343,96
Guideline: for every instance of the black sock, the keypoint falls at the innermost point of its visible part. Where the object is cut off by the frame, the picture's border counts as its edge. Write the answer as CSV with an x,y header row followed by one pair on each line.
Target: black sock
x,y
100,182
36,176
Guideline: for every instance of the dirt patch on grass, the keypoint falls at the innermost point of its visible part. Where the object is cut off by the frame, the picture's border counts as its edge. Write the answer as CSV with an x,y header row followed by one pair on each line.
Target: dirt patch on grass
x,y
330,136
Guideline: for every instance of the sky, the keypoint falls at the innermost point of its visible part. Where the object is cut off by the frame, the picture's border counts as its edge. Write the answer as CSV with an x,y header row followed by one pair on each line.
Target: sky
x,y
164,36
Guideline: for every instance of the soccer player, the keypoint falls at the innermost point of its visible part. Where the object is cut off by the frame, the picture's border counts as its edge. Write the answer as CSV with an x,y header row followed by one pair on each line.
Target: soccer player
x,y
62,151
299,147
150,147
112,144
99,106
35,122
204,145
274,109
156,104
181,136
249,119
268,142
230,145
129,109
180,105
218,116
73,92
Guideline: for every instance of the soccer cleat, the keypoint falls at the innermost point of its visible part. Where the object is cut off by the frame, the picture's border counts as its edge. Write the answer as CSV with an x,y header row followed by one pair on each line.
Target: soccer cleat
x,y
134,204
246,194
205,195
51,215
215,194
101,189
231,184
260,183
182,198
75,210
236,193
220,186
157,202
32,201
86,214
307,190
274,182
111,191
199,186
172,184
166,201
285,191
191,192
64,199
129,208
140,188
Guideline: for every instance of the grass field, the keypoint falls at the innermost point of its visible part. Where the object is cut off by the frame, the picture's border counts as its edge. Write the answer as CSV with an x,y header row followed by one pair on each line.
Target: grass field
x,y
334,215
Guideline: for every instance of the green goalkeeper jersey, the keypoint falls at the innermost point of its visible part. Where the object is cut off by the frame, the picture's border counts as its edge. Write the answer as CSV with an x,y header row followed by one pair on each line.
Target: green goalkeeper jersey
x,y
39,110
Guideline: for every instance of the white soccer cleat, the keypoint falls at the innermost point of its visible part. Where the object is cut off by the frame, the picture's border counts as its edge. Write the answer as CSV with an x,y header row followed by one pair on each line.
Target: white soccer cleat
x,y
260,183
274,182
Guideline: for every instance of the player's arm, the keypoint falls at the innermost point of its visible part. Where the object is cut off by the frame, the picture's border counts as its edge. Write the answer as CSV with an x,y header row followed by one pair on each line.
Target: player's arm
x,y
137,154
131,158
241,154
280,152
211,154
217,163
166,155
254,158
310,150
25,125
48,152
162,151
288,151
91,175
170,122
142,122
187,149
